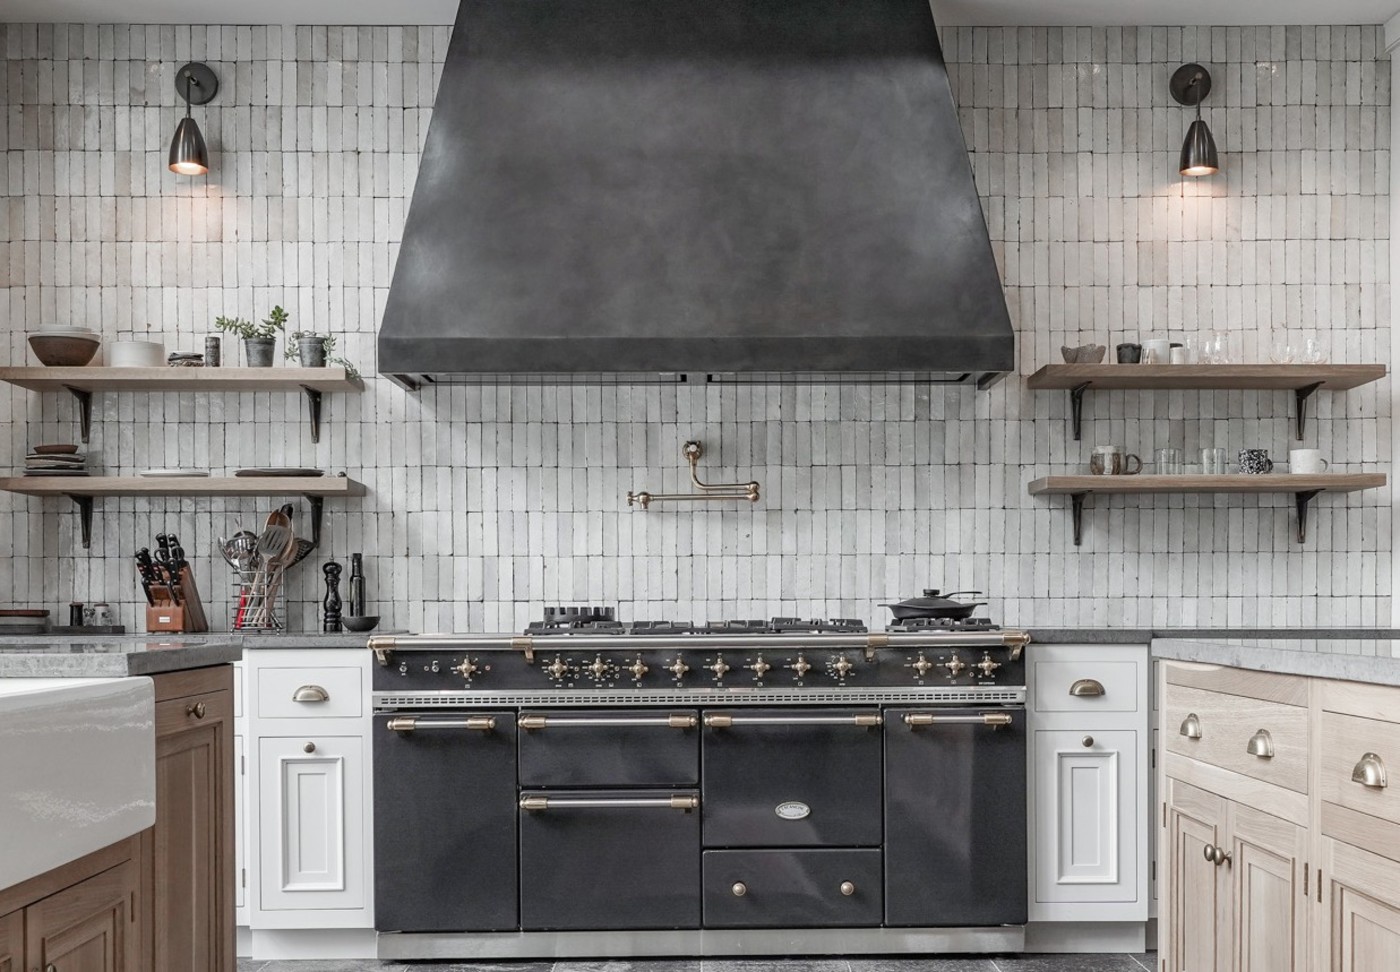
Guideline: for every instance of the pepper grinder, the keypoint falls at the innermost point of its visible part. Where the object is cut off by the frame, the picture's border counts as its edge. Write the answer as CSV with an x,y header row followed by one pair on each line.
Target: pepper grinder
x,y
330,617
355,587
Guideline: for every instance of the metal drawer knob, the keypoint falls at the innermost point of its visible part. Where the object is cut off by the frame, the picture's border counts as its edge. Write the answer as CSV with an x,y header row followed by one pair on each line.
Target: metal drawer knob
x,y
847,888
1370,772
1191,726
1261,744
1088,741
310,747
740,889
1086,688
311,693
196,709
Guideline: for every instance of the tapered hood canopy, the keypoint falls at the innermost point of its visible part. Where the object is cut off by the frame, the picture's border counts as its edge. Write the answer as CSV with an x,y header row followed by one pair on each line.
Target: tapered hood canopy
x,y
733,188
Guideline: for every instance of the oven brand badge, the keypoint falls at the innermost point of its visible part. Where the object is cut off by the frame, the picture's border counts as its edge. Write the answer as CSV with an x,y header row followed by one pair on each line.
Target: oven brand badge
x,y
792,810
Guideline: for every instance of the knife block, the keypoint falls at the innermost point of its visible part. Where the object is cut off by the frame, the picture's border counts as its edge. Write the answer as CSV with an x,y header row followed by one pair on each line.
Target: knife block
x,y
167,614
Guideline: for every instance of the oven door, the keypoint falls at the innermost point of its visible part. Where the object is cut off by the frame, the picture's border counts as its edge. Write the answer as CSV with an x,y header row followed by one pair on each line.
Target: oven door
x,y
444,822
955,817
609,747
609,859
795,777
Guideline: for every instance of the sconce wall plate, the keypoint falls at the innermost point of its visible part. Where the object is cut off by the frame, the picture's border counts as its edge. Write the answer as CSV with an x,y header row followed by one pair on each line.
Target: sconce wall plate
x,y
204,88
1190,85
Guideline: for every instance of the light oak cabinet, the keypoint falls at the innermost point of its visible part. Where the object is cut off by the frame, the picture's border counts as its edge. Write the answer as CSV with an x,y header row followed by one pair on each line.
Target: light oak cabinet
x,y
1281,850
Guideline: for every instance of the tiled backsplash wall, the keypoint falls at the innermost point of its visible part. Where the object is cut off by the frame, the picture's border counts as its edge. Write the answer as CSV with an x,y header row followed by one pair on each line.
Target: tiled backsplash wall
x,y
487,502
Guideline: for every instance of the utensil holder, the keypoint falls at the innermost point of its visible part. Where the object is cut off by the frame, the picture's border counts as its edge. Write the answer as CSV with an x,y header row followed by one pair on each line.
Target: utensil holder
x,y
255,601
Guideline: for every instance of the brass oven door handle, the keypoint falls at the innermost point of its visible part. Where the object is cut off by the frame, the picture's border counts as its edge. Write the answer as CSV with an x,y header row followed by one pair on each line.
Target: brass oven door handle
x,y
311,693
675,721
1370,772
415,723
675,801
1086,688
725,721
993,719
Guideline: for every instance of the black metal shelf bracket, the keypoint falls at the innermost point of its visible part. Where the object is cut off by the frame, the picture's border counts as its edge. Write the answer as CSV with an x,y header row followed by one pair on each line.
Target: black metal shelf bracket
x,y
1076,407
313,405
1303,500
1077,503
84,400
318,510
84,517
1300,398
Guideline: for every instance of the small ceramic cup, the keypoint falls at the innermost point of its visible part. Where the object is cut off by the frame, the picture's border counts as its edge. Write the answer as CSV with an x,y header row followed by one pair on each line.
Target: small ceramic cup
x,y
1306,461
1112,461
1129,353
1255,462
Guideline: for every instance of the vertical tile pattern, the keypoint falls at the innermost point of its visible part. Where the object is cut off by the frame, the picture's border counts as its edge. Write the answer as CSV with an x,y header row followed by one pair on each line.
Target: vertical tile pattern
x,y
488,501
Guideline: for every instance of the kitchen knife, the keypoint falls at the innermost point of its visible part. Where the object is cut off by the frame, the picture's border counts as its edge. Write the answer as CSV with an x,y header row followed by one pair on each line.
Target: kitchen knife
x,y
146,572
163,542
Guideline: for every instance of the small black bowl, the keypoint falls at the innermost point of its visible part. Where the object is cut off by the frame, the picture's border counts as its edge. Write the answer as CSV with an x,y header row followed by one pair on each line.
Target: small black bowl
x,y
363,622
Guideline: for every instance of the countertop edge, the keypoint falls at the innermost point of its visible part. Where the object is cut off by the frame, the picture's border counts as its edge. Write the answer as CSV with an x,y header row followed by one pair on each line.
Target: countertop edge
x,y
1314,664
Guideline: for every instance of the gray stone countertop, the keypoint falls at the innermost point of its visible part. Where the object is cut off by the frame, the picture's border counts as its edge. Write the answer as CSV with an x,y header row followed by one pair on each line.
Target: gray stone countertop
x,y
1141,636
70,657
1375,660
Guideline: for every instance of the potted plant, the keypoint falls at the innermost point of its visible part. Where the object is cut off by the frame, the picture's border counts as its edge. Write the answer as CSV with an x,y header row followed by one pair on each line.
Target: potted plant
x,y
259,340
316,351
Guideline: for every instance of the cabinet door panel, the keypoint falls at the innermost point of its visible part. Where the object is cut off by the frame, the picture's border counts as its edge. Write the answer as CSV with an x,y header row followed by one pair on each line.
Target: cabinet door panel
x,y
312,822
1267,860
1363,897
1086,816
1198,924
12,942
240,825
88,927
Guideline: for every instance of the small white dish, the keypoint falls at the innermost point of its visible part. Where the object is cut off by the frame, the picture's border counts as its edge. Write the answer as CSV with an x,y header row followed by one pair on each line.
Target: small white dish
x,y
135,354
171,473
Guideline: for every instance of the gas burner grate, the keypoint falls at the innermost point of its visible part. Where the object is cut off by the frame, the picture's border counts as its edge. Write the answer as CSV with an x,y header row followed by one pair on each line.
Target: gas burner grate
x,y
925,625
999,695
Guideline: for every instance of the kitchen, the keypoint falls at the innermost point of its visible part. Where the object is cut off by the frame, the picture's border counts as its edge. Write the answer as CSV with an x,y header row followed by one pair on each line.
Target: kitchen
x,y
477,506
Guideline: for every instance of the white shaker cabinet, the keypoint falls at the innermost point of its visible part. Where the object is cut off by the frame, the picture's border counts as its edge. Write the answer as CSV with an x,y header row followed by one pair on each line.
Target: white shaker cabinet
x,y
1088,774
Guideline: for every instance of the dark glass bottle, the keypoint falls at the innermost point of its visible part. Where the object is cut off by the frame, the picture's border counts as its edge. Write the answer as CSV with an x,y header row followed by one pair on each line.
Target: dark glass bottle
x,y
356,587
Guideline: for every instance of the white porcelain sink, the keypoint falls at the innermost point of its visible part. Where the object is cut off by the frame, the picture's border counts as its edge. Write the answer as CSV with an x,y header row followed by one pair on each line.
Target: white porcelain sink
x,y
77,769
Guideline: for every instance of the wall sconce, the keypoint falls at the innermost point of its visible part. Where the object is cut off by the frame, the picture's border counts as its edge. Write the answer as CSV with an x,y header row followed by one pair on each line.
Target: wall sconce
x,y
197,84
1190,85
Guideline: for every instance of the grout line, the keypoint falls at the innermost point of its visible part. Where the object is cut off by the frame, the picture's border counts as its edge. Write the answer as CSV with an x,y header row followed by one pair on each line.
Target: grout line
x,y
1146,968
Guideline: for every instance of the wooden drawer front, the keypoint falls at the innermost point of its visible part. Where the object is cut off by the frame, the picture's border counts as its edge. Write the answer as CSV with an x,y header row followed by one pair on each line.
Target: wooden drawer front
x,y
278,690
1345,740
1228,722
1055,679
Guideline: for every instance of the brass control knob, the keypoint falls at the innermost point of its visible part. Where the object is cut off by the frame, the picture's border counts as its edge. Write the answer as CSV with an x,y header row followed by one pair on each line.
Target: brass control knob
x,y
800,667
466,669
719,667
986,665
637,669
740,889
760,668
847,888
921,665
600,669
557,669
841,667
678,667
955,665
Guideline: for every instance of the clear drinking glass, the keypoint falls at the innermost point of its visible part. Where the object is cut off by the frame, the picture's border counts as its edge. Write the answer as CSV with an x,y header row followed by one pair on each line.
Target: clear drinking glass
x,y
1169,462
1213,462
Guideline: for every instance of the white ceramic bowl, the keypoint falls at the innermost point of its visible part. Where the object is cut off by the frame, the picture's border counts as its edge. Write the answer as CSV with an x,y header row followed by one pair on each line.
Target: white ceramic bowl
x,y
135,354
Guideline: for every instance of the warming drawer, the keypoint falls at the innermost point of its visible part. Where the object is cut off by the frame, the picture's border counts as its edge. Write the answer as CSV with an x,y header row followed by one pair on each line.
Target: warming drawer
x,y
793,888
609,747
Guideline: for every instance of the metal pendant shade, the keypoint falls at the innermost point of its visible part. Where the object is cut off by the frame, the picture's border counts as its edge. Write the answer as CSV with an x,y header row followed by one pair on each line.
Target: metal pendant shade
x,y
188,153
1198,156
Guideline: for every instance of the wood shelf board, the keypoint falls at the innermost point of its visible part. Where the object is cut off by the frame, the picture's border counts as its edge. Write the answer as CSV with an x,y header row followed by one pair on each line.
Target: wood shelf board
x,y
182,379
1269,377
329,486
1238,483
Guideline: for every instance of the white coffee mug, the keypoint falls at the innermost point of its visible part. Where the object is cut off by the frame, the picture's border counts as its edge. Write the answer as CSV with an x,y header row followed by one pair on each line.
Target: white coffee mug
x,y
1306,461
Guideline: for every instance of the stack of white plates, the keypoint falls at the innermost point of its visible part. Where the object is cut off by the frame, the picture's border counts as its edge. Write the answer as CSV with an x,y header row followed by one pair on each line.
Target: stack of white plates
x,y
62,330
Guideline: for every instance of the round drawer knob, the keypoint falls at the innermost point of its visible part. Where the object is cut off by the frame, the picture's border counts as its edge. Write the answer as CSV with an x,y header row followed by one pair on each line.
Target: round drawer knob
x,y
1088,741
310,747
847,888
740,889
196,709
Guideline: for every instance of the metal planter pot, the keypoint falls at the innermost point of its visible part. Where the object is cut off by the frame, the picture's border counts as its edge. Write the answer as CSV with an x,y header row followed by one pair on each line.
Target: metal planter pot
x,y
259,351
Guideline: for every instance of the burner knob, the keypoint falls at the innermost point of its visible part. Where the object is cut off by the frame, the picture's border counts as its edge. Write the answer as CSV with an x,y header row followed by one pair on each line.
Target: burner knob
x,y
800,667
955,665
557,669
760,668
841,667
403,668
678,668
637,669
600,670
719,667
921,665
467,669
986,665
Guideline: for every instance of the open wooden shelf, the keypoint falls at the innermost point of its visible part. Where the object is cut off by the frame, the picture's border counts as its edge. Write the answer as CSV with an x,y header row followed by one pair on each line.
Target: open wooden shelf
x,y
1301,379
1305,488
84,489
82,383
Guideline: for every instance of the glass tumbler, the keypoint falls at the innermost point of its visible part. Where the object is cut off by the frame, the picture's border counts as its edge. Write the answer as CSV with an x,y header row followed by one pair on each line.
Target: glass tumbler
x,y
1213,462
1169,462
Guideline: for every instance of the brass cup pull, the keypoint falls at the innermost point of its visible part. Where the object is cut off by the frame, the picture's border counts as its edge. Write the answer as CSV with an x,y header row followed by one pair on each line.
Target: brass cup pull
x,y
740,889
196,709
311,693
847,888
51,968
1261,744
1370,772
1086,688
1191,726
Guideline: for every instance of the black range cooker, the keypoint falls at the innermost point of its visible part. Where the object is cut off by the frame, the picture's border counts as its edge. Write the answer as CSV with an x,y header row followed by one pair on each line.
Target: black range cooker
x,y
753,787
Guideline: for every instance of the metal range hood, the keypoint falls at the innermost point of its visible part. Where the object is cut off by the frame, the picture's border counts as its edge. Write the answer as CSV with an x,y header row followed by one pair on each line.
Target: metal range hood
x,y
745,189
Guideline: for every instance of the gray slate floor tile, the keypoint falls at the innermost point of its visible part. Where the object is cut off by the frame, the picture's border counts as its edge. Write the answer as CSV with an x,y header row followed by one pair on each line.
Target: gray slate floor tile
x,y
932,964
1067,963
629,965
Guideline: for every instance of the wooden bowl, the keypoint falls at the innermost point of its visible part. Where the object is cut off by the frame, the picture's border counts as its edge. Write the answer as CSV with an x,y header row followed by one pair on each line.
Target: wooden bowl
x,y
63,351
